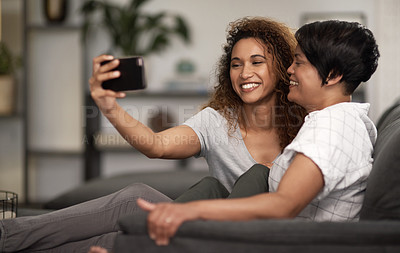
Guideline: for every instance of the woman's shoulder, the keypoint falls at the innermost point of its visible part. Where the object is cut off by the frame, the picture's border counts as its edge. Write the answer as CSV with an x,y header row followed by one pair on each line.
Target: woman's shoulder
x,y
212,113
344,119
209,110
207,117
341,111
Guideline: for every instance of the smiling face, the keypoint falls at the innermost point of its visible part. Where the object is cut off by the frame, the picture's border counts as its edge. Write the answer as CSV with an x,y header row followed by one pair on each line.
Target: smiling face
x,y
251,71
305,83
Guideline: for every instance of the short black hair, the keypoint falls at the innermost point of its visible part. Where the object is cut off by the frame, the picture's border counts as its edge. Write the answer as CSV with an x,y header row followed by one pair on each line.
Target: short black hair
x,y
340,48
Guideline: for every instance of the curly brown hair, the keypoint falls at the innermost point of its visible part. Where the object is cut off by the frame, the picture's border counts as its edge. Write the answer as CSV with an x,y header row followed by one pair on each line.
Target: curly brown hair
x,y
280,42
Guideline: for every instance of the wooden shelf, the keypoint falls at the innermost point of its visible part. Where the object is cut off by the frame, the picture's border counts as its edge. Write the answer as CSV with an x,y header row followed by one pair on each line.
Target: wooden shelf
x,y
52,27
169,94
55,152
16,116
47,131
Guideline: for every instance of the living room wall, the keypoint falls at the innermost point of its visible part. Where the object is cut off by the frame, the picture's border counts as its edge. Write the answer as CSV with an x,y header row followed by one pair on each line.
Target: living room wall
x,y
209,19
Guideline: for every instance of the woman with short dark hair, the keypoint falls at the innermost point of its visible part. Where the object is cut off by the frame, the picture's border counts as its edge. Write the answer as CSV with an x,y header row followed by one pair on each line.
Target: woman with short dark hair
x,y
322,174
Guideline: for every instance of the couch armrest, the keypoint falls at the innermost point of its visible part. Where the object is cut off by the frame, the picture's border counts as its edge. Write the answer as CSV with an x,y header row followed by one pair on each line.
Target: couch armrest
x,y
263,236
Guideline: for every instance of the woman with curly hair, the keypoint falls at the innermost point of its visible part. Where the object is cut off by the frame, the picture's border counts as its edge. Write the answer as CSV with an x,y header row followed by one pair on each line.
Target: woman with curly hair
x,y
276,38
248,120
246,124
254,106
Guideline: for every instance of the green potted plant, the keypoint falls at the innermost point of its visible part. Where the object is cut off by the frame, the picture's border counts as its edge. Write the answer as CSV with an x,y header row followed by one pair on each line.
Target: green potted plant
x,y
132,30
7,82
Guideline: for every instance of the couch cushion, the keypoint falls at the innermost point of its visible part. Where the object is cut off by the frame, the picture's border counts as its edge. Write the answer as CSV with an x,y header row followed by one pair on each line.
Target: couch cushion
x,y
382,198
390,115
171,183
263,236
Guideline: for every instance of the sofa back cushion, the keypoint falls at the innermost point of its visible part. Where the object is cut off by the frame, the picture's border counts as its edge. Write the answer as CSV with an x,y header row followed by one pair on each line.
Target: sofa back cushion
x,y
382,198
390,115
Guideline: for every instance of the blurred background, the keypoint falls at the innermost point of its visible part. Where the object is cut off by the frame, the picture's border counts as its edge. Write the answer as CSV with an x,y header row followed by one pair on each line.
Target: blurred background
x,y
52,137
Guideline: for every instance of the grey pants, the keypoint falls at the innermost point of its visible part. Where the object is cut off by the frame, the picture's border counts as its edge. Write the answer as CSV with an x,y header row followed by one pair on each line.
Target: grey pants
x,y
76,228
252,182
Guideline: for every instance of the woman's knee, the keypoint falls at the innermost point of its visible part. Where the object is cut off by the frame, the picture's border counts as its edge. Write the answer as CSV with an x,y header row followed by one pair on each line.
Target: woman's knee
x,y
257,174
137,187
257,169
141,190
214,187
206,188
209,182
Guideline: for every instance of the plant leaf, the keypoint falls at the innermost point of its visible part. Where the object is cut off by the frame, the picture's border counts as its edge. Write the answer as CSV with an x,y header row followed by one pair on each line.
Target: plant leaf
x,y
6,60
159,42
182,29
133,31
136,4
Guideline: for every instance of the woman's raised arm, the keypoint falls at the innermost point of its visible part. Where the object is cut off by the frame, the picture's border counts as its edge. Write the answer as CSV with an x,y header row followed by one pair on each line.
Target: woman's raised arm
x,y
175,143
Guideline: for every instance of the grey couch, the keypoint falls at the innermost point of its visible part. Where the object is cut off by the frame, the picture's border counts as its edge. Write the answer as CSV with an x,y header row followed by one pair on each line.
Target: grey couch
x,y
377,231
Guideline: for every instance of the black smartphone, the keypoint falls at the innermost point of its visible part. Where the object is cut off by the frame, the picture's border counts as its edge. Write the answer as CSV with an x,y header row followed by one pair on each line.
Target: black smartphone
x,y
132,75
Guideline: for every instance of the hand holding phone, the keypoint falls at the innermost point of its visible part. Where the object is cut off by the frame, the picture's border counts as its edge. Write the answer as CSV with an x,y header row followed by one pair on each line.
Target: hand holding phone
x,y
132,75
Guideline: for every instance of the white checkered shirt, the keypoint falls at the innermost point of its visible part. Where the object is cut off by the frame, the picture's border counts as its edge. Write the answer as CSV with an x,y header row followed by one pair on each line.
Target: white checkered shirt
x,y
339,139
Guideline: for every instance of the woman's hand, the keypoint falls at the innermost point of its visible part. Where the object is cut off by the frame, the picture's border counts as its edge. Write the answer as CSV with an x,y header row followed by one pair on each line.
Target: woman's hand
x,y
174,143
164,219
105,99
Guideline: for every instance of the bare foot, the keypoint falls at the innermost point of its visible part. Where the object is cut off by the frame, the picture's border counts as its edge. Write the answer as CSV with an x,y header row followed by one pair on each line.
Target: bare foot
x,y
97,249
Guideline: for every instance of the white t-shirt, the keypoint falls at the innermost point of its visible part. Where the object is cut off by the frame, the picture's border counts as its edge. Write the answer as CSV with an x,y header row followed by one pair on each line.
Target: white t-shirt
x,y
340,140
227,156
